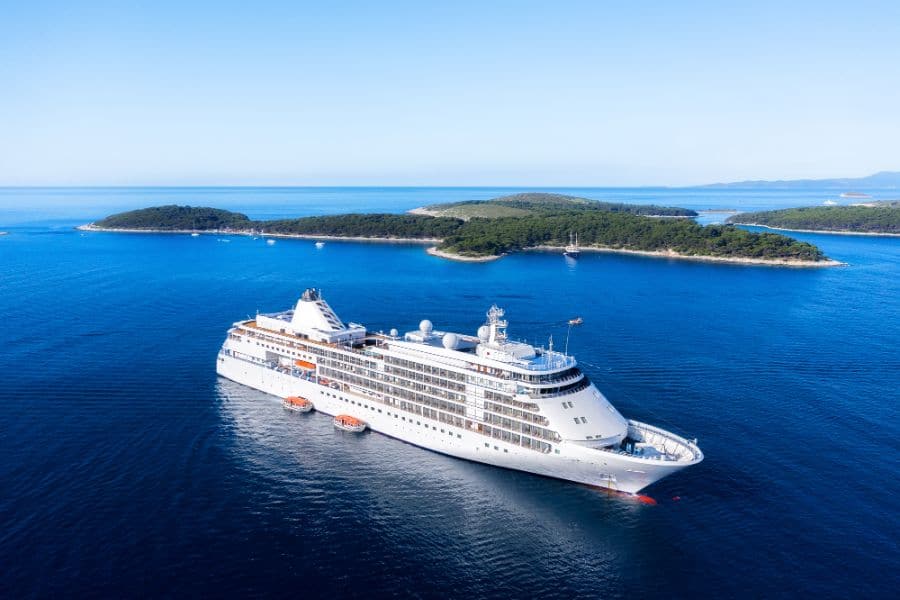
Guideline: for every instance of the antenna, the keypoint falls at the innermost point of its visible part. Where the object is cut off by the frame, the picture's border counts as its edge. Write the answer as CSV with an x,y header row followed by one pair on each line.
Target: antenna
x,y
568,331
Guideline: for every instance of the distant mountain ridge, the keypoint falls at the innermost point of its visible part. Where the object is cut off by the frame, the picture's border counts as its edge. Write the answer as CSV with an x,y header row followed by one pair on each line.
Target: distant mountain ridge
x,y
881,180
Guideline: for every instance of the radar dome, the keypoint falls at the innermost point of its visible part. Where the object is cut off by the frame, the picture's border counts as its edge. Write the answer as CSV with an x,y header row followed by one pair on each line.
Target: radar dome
x,y
426,327
450,341
484,332
394,333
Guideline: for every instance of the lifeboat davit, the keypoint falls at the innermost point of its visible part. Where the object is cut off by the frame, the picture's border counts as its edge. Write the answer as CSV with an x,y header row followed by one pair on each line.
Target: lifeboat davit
x,y
297,403
348,423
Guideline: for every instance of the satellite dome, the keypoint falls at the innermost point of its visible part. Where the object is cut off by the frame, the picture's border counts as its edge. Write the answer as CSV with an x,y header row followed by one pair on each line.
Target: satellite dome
x,y
394,333
450,341
425,326
484,332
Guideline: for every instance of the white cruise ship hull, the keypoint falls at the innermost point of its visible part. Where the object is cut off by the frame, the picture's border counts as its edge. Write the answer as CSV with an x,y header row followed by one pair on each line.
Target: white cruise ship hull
x,y
569,461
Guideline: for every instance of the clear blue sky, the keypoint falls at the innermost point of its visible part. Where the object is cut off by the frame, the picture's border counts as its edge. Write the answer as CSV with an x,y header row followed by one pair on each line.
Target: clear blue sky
x,y
466,93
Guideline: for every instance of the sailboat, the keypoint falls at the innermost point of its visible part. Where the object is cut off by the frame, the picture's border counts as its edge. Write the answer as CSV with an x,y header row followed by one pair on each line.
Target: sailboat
x,y
572,250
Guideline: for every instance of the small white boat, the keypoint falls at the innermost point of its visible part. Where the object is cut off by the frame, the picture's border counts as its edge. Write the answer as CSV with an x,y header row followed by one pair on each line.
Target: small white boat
x,y
320,245
348,423
298,404
576,321
195,234
270,242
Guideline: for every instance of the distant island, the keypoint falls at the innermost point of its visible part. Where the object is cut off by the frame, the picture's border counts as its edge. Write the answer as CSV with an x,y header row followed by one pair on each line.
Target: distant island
x,y
882,180
533,203
545,222
871,218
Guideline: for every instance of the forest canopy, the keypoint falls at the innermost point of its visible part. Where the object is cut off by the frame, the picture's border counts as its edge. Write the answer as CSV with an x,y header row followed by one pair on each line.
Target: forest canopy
x,y
883,217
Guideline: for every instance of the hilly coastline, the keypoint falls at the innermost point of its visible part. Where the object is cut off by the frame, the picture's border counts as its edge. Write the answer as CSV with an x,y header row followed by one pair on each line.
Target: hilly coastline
x,y
871,218
534,203
880,180
545,222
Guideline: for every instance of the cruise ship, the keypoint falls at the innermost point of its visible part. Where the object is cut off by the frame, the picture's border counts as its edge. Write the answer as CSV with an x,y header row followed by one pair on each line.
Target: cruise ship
x,y
480,397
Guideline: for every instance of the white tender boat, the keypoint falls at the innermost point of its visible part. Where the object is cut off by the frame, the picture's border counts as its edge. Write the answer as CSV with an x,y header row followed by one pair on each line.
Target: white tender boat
x,y
348,423
298,404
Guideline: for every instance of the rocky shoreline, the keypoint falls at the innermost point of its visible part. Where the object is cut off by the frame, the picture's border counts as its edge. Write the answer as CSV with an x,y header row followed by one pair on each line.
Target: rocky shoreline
x,y
461,258
301,236
434,251
825,231
768,262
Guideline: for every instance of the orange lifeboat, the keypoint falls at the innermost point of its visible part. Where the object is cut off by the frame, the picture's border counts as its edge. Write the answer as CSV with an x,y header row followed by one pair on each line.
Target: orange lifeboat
x,y
348,423
297,403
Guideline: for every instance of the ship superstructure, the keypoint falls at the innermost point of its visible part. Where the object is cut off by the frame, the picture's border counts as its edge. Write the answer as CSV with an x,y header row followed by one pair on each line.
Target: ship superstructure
x,y
483,397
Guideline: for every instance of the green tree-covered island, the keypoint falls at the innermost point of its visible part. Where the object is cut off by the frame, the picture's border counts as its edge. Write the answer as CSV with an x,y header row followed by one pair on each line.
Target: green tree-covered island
x,y
483,230
869,218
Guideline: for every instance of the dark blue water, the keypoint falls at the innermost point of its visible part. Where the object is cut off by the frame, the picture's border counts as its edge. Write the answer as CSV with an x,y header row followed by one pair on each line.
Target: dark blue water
x,y
127,468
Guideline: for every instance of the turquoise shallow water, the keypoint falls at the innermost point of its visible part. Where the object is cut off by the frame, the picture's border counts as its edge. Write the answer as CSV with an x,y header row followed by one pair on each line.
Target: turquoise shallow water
x,y
128,468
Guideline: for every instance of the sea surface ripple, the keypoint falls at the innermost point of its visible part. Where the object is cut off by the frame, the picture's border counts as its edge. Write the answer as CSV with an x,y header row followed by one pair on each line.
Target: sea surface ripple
x,y
128,468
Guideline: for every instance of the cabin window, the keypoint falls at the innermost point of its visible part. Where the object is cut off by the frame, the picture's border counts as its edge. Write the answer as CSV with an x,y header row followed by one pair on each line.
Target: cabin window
x,y
583,420
576,420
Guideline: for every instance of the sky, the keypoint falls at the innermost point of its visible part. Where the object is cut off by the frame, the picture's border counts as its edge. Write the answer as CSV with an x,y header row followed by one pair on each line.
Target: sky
x,y
446,93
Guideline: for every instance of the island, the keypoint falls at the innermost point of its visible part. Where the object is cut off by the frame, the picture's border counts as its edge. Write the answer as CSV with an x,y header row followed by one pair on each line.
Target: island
x,y
535,203
541,222
870,218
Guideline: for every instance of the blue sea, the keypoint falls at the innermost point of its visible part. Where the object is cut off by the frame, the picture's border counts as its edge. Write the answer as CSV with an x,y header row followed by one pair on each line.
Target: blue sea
x,y
127,468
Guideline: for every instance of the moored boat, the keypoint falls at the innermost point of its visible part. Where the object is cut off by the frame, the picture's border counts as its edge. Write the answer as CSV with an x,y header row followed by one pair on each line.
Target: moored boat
x,y
572,250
